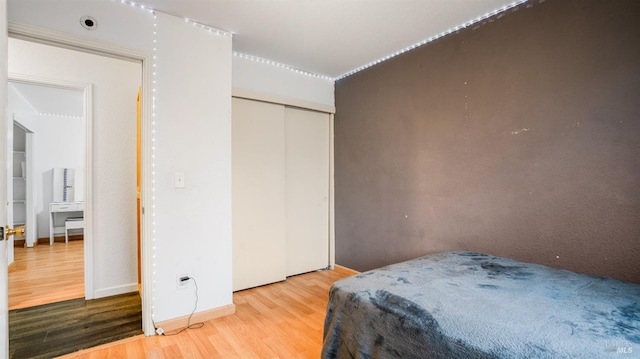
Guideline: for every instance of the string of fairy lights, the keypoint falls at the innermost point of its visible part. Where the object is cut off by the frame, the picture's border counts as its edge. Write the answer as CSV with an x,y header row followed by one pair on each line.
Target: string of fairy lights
x,y
154,112
154,84
299,71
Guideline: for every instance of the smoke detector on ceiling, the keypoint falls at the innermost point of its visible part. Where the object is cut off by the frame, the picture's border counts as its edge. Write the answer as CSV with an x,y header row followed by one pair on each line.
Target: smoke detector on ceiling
x,y
89,22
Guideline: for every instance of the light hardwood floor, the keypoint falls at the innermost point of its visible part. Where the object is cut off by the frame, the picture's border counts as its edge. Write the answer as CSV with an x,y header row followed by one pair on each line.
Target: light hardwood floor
x,y
281,320
46,274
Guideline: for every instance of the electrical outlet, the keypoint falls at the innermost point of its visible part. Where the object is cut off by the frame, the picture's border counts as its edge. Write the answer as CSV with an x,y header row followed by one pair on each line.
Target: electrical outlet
x,y
182,281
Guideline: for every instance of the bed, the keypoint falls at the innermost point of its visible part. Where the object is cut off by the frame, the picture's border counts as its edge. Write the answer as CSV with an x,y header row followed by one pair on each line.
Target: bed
x,y
471,305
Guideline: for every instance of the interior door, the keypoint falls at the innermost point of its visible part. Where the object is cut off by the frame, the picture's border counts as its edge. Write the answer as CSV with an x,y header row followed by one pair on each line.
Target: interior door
x,y
258,213
4,205
307,191
4,301
8,176
138,189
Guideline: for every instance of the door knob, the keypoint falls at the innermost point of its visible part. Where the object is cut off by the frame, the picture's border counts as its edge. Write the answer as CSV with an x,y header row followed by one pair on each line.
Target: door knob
x,y
15,231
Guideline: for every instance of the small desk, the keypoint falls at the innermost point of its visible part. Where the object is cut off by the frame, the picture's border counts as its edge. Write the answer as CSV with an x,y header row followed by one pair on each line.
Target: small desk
x,y
68,209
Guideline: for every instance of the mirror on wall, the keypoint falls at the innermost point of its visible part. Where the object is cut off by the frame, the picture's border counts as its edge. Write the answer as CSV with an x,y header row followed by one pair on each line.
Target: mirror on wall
x,y
64,185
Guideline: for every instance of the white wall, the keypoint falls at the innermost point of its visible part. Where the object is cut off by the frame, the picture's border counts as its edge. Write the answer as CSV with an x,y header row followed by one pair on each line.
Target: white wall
x,y
116,84
268,79
193,135
17,103
59,143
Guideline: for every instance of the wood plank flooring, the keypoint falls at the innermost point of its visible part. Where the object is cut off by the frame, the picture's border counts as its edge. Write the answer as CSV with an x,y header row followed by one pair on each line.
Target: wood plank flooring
x,y
281,320
46,274
49,330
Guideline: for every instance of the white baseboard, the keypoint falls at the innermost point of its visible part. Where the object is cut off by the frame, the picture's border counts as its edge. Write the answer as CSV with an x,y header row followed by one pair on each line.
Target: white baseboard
x,y
122,289
181,322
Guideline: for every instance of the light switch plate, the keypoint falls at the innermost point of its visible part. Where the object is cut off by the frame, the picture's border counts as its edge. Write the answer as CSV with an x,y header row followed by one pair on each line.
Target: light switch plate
x,y
178,180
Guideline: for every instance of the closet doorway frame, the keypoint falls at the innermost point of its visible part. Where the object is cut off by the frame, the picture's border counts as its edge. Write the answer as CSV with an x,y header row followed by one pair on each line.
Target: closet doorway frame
x,y
68,41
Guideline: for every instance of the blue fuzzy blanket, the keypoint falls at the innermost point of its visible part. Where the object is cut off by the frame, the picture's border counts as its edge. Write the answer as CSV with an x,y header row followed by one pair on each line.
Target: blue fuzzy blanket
x,y
472,305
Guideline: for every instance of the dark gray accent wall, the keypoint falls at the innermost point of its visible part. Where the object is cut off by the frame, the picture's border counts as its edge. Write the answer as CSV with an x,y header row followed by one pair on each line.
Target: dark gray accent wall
x,y
517,137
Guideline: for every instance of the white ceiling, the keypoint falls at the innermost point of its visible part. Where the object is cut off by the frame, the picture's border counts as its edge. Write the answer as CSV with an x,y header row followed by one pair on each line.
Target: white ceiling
x,y
39,99
328,37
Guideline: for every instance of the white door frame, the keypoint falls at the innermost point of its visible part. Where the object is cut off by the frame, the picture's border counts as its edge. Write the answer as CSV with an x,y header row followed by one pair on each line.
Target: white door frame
x,y
4,305
29,188
60,39
87,90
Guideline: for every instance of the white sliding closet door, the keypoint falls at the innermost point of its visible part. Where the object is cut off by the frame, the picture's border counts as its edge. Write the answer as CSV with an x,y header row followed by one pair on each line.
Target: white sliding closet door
x,y
258,195
307,190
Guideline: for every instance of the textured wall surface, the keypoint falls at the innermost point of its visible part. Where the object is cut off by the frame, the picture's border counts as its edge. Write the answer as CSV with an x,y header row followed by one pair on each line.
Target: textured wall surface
x,y
517,137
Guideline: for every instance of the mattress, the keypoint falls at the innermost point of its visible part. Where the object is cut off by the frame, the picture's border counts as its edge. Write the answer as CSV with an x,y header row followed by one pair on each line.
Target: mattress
x,y
472,305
